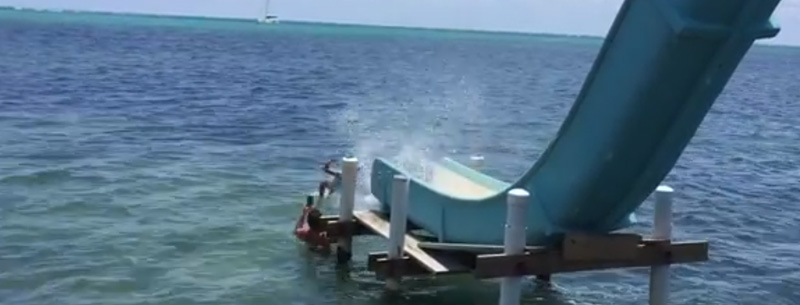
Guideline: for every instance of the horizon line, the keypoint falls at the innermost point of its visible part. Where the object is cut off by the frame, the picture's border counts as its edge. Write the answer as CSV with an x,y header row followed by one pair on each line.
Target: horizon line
x,y
335,23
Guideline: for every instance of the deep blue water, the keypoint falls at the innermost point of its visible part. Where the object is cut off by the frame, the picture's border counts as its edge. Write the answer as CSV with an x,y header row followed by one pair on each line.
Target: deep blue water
x,y
148,161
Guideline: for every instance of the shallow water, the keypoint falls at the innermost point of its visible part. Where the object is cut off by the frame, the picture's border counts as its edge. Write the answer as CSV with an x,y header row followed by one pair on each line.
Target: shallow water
x,y
163,161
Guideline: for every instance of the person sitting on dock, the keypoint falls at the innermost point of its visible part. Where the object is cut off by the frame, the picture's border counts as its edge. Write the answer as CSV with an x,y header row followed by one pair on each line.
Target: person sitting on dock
x,y
330,184
310,228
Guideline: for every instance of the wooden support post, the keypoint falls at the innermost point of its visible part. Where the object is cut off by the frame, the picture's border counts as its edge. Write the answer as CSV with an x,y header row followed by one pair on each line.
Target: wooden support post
x,y
517,200
397,227
344,251
659,274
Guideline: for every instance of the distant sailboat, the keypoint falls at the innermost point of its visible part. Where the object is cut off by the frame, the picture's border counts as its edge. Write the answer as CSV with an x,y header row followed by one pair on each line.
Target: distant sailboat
x,y
267,18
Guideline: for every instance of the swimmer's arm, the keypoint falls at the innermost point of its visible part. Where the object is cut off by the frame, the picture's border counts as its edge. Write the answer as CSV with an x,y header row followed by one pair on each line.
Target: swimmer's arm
x,y
327,169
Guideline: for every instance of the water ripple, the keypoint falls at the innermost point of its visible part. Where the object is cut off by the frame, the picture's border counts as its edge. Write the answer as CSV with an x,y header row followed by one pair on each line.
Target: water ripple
x,y
149,162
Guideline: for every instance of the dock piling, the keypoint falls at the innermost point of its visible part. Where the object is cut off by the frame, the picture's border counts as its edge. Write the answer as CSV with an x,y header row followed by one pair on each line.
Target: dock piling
x,y
659,274
514,244
476,162
397,225
344,251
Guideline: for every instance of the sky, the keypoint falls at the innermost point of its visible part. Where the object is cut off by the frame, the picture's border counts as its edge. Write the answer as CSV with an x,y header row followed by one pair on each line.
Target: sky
x,y
578,17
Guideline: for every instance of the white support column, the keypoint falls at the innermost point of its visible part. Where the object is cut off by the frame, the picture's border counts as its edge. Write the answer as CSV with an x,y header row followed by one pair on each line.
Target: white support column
x,y
517,200
476,162
659,275
346,205
397,224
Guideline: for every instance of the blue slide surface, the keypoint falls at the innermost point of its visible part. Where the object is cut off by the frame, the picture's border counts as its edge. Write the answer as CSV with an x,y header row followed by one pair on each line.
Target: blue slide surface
x,y
661,67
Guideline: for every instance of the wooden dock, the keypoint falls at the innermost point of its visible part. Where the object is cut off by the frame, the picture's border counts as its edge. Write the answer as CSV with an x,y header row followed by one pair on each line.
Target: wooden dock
x,y
414,252
576,252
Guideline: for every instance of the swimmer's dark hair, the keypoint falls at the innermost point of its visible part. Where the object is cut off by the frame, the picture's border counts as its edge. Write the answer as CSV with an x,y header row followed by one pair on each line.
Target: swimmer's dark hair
x,y
315,220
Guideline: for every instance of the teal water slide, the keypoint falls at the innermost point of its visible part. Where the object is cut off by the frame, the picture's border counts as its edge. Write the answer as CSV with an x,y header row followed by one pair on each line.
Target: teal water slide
x,y
661,67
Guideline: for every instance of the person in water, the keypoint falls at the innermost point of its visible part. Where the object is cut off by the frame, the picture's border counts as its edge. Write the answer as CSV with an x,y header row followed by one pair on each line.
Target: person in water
x,y
311,229
332,183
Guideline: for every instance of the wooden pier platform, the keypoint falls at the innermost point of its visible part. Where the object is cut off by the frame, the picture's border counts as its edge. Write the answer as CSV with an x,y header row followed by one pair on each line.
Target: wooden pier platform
x,y
576,252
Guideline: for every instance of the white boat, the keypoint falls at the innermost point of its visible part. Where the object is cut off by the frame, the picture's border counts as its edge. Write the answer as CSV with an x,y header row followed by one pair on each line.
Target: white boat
x,y
267,18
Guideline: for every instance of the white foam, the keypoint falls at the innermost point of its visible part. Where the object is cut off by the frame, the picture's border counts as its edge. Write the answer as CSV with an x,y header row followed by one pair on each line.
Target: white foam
x,y
411,132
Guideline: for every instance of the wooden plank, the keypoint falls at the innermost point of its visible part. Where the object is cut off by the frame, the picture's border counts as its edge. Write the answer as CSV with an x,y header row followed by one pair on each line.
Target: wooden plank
x,y
379,263
594,247
334,218
336,229
575,245
330,218
649,253
377,223
471,248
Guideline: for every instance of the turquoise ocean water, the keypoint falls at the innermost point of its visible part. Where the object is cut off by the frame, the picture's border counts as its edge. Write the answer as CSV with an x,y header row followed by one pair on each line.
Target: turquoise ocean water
x,y
155,160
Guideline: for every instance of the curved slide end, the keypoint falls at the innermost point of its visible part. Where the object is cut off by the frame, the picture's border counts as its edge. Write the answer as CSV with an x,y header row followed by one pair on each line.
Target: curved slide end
x,y
661,67
460,204
452,206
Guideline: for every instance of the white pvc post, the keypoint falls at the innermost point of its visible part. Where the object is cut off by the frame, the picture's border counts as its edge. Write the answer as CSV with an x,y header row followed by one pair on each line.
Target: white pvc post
x,y
476,161
346,205
517,200
397,225
659,275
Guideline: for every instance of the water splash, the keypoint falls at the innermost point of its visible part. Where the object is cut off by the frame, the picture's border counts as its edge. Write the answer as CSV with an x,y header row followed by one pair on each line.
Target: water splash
x,y
427,127
415,157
